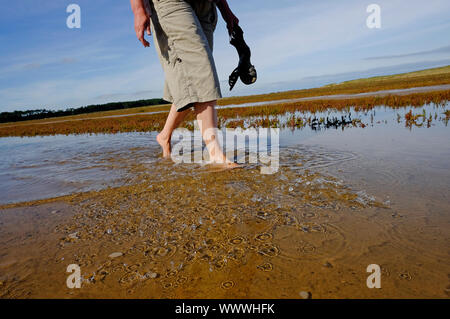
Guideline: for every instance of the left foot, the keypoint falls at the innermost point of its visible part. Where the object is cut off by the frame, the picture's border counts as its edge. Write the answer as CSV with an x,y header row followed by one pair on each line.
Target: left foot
x,y
165,144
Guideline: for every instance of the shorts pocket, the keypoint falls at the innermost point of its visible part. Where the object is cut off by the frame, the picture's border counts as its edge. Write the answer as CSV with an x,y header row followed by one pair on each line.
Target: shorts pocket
x,y
174,59
165,7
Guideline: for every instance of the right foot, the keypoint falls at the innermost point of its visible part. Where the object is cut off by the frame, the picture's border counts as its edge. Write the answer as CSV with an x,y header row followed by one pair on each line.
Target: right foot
x,y
223,162
165,144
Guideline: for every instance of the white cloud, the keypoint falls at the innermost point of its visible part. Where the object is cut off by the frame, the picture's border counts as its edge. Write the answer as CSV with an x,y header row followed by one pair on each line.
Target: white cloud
x,y
135,84
291,40
294,34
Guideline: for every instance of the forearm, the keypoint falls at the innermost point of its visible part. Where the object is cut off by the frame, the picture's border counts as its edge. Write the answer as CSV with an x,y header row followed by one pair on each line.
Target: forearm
x,y
226,13
224,8
142,13
140,6
222,4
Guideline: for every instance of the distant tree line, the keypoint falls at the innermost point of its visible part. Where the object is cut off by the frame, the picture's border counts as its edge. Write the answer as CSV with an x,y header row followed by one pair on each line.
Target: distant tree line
x,y
43,113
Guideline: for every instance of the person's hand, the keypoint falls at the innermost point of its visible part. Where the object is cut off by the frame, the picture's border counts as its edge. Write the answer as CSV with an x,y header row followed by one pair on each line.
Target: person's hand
x,y
142,24
228,15
231,20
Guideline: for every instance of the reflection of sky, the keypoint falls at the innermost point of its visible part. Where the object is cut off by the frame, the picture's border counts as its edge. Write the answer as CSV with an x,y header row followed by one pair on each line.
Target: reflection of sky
x,y
296,44
49,166
387,139
40,167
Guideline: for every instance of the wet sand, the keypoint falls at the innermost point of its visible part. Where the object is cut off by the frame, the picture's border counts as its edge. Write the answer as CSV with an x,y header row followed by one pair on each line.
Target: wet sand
x,y
255,239
342,200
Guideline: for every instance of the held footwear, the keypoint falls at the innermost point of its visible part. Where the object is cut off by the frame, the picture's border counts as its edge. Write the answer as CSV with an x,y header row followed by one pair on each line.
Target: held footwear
x,y
245,70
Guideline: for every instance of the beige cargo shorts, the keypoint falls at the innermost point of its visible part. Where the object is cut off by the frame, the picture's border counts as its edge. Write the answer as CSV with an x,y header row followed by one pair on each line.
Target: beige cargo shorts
x,y
183,36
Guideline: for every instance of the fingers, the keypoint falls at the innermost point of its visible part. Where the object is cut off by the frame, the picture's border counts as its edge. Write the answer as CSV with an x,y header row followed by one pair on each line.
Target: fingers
x,y
149,29
144,42
140,36
230,28
141,25
232,23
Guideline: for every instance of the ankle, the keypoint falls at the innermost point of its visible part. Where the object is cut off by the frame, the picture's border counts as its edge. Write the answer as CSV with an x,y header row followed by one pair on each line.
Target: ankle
x,y
164,136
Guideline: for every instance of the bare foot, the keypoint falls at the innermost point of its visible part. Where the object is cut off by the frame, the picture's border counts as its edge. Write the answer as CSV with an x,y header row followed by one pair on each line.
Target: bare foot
x,y
231,165
165,144
223,162
219,167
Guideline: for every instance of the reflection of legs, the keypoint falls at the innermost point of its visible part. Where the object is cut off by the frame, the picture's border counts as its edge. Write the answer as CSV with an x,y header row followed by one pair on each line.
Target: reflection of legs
x,y
173,120
207,122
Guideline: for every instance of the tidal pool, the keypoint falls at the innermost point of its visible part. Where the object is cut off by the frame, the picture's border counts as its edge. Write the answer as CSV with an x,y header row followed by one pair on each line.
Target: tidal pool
x,y
343,198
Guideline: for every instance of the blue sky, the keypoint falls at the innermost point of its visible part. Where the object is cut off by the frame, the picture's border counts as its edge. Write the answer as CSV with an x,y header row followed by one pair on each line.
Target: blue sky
x,y
295,43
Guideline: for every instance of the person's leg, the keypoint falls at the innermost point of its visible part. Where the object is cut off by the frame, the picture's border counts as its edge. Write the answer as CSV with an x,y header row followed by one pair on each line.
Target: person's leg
x,y
207,122
185,51
173,120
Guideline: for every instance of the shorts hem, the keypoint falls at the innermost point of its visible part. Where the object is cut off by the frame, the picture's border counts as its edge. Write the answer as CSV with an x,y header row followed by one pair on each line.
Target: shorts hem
x,y
190,101
167,98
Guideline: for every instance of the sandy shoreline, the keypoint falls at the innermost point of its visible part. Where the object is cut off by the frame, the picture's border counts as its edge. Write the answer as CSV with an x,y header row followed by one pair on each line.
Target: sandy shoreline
x,y
236,246
343,198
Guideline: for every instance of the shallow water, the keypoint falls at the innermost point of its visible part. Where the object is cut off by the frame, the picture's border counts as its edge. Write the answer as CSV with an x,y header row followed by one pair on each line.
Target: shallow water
x,y
342,199
347,96
313,98
42,167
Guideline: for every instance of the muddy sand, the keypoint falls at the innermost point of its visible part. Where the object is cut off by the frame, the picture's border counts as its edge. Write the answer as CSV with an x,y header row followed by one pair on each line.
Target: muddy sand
x,y
258,236
340,201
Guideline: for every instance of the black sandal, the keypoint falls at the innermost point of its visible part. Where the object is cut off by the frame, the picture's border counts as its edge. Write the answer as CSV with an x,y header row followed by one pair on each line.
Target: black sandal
x,y
245,70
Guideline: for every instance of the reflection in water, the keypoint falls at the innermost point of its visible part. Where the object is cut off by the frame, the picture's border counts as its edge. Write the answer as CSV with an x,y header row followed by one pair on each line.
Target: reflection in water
x,y
426,116
347,96
42,167
344,198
